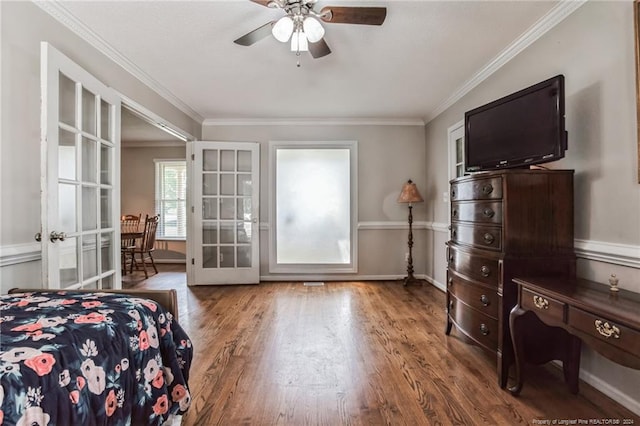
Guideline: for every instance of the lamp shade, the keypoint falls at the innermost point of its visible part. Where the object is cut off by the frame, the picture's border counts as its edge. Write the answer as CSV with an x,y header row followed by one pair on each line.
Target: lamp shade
x,y
312,29
283,29
410,193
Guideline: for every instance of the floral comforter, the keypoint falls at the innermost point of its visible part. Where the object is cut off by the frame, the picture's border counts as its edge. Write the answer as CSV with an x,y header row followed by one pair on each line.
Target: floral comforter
x,y
90,358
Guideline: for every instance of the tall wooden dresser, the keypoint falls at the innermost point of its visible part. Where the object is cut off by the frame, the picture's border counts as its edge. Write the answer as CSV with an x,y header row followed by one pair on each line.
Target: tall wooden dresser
x,y
507,223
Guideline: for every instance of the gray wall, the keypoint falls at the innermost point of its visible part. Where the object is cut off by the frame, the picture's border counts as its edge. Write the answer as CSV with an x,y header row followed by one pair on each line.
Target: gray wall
x,y
388,155
23,26
594,49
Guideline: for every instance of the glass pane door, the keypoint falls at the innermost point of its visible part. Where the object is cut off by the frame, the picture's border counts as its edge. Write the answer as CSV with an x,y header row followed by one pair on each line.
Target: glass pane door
x,y
226,213
78,233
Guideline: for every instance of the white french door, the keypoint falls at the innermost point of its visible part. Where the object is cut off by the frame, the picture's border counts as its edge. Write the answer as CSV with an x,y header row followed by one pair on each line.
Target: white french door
x,y
80,157
224,231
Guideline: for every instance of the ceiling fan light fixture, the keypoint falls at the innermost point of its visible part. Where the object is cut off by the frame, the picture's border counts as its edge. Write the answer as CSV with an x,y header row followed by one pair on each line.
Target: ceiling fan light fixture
x,y
283,29
299,42
313,29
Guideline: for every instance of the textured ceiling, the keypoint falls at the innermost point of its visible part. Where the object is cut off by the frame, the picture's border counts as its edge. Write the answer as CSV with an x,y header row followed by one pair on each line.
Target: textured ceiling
x,y
404,69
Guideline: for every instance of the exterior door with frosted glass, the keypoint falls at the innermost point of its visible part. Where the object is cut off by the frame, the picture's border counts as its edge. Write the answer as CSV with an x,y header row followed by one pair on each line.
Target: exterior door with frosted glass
x,y
224,234
80,190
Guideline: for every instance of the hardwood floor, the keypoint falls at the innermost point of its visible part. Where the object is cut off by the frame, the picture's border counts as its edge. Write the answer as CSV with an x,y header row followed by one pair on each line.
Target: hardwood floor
x,y
351,353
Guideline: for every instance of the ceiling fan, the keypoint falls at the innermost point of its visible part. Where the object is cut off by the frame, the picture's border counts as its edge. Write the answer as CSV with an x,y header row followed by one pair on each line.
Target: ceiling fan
x,y
302,26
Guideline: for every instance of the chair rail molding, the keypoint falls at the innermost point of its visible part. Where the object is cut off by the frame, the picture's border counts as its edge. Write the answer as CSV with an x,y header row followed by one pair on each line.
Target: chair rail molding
x,y
20,253
601,251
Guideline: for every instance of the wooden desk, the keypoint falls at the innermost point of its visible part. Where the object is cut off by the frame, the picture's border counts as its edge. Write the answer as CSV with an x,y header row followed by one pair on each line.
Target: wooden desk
x,y
554,315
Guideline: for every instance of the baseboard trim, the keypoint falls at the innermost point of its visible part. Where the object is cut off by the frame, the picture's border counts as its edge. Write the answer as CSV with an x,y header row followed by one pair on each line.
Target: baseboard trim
x,y
610,391
606,388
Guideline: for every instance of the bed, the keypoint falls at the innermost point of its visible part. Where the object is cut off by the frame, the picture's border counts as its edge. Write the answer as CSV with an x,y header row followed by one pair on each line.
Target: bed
x,y
88,357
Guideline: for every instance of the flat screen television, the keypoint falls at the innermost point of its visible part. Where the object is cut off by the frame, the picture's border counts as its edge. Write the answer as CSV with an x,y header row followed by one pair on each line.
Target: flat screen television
x,y
524,128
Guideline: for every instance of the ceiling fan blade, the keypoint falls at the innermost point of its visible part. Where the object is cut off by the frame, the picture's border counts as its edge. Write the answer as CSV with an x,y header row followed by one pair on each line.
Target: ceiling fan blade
x,y
354,15
319,49
263,2
255,35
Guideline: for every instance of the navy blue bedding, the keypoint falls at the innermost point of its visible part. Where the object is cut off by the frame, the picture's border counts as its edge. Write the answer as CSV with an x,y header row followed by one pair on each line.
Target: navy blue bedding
x,y
90,359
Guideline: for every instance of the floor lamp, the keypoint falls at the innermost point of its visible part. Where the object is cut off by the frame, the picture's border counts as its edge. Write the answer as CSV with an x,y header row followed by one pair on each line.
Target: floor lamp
x,y
410,195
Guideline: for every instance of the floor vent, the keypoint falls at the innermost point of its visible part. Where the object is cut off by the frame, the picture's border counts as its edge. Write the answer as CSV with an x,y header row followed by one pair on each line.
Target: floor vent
x,y
313,284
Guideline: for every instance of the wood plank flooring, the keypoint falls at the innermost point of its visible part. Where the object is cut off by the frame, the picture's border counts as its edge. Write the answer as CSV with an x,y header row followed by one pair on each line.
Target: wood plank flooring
x,y
351,353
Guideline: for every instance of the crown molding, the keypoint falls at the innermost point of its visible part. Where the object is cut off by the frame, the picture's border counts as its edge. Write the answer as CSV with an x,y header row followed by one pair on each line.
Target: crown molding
x,y
62,15
541,27
313,122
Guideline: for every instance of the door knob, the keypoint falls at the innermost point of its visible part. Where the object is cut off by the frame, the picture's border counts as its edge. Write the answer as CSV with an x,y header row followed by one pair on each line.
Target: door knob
x,y
57,236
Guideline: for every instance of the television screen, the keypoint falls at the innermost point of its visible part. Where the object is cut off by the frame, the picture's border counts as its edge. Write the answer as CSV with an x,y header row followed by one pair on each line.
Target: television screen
x,y
521,129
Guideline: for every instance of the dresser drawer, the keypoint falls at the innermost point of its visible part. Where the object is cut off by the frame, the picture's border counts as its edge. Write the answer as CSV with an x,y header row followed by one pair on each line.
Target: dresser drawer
x,y
545,307
473,266
605,330
477,211
477,189
487,237
481,298
477,326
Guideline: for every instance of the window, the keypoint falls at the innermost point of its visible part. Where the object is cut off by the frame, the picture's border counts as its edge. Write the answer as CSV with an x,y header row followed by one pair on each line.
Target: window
x,y
456,150
171,198
314,211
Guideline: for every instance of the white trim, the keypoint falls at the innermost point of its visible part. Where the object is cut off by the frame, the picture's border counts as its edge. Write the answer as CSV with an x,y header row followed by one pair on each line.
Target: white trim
x,y
436,284
612,392
392,225
439,226
352,147
313,122
152,144
154,119
537,30
62,15
606,388
331,277
169,261
619,254
20,253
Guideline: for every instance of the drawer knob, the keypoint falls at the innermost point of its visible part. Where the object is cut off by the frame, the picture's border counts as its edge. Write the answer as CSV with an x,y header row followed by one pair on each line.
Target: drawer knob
x,y
607,330
488,238
450,281
487,189
484,329
454,212
485,271
454,233
450,258
453,193
485,300
540,302
488,212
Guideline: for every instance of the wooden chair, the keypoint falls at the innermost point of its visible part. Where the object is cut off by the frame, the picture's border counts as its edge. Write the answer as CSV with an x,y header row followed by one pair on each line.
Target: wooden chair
x,y
128,223
145,249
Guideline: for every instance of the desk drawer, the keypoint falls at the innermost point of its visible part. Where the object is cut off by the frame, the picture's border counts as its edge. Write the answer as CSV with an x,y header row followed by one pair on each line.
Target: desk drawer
x,y
482,298
605,330
477,326
547,309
